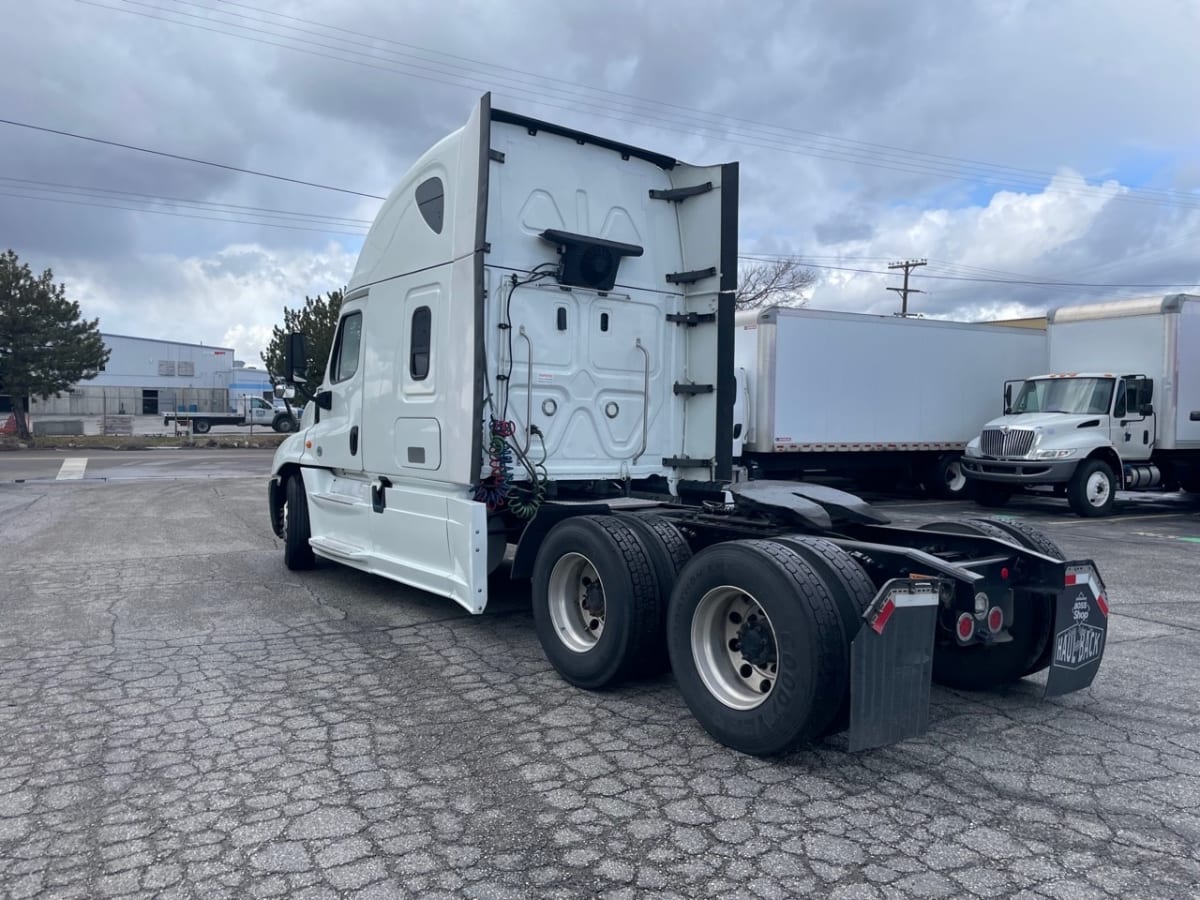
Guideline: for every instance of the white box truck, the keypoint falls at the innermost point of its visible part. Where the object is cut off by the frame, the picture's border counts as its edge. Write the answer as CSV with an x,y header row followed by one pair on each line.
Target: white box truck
x,y
1120,412
536,350
877,398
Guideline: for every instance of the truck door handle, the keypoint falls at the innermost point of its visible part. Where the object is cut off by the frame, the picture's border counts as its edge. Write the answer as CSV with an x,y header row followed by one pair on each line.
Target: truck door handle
x,y
354,440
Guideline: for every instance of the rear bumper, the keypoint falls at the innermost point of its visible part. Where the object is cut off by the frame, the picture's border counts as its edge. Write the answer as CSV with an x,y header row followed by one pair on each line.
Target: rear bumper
x,y
1019,471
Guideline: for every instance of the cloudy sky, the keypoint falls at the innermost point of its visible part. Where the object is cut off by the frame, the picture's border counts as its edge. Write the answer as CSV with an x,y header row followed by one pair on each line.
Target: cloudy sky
x,y
1010,143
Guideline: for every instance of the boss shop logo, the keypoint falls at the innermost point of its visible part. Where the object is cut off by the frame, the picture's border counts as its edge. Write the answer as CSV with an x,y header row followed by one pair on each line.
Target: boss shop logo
x,y
1078,644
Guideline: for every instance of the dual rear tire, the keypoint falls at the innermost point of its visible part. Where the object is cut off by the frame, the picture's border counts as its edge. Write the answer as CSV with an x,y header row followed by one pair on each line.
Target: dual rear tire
x,y
757,631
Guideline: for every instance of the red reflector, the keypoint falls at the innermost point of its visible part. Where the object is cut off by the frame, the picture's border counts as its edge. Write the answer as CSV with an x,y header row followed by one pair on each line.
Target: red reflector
x,y
995,619
881,618
1102,602
1004,573
1070,579
966,627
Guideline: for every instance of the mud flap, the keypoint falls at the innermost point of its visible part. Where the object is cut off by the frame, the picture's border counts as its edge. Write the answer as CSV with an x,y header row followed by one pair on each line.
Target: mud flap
x,y
275,502
891,665
1080,630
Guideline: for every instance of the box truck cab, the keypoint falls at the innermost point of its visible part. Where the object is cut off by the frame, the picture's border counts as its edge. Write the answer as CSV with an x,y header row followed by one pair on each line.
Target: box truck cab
x,y
536,351
1089,432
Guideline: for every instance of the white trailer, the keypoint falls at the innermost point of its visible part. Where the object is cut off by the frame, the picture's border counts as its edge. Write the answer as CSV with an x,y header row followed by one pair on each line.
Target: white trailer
x,y
536,350
1121,411
878,398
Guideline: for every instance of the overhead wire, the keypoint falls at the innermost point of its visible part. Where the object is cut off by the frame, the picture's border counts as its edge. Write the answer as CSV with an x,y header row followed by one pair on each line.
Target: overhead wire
x,y
877,156
978,279
164,212
576,89
96,192
190,159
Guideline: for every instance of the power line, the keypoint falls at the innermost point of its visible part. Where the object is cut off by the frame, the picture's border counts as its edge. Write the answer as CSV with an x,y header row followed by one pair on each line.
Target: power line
x,y
55,187
846,150
976,279
180,157
164,212
574,88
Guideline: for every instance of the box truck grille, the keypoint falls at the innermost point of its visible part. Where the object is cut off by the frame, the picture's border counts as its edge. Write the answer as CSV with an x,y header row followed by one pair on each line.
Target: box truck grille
x,y
1011,442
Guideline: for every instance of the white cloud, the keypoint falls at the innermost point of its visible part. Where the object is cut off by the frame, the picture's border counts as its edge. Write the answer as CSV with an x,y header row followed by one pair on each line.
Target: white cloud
x,y
231,298
978,255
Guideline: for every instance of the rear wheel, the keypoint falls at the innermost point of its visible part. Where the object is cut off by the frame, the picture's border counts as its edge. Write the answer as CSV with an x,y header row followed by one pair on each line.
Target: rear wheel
x,y
977,667
852,589
596,605
944,478
297,552
669,553
201,426
1092,490
757,646
1035,539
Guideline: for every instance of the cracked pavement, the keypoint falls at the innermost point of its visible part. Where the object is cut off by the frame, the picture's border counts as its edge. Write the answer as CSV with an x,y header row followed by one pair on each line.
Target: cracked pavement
x,y
180,716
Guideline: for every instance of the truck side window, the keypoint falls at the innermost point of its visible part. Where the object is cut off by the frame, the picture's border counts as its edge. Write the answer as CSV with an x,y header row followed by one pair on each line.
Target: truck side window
x,y
346,348
1119,404
419,339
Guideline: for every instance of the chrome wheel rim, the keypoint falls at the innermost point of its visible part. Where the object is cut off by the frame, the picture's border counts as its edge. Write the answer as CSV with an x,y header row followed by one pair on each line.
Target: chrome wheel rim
x,y
1098,489
955,479
576,600
734,648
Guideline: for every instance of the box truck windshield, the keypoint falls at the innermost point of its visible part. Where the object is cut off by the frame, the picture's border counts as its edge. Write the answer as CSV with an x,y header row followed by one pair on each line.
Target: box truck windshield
x,y
1065,395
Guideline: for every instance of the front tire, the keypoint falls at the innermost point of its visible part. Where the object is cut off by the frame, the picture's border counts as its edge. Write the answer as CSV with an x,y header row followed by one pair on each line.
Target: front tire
x,y
1092,490
283,425
757,646
992,495
596,603
297,552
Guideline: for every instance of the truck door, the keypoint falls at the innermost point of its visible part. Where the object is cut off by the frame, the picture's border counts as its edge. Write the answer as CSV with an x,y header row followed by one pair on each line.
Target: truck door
x,y
259,412
1130,430
336,436
339,498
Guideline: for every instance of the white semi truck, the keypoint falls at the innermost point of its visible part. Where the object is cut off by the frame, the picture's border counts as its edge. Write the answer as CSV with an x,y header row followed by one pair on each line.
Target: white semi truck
x,y
536,351
1121,410
875,398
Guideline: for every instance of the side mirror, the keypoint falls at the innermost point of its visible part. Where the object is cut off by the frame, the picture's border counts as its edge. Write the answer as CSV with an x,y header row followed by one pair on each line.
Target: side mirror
x,y
1146,409
285,391
295,358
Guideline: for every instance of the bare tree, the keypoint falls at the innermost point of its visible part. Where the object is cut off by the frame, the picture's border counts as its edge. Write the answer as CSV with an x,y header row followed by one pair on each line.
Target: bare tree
x,y
775,282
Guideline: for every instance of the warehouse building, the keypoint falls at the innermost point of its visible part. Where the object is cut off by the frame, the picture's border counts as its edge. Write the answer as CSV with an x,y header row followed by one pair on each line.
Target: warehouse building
x,y
148,377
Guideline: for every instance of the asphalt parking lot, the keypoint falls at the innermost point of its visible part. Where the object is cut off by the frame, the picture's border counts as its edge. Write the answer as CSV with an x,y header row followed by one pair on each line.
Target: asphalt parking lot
x,y
180,716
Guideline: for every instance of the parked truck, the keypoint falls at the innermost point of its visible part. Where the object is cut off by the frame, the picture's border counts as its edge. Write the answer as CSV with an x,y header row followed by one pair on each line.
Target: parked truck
x,y
246,411
536,352
876,398
1120,412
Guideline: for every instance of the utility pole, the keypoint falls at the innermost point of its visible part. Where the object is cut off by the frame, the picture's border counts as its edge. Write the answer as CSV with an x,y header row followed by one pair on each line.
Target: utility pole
x,y
908,265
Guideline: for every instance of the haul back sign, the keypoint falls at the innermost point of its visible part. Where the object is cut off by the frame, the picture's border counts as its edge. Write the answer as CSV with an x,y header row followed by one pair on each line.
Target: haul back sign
x,y
1080,628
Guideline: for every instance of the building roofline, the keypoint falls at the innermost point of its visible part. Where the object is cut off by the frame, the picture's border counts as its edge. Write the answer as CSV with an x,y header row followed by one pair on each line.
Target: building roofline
x,y
130,337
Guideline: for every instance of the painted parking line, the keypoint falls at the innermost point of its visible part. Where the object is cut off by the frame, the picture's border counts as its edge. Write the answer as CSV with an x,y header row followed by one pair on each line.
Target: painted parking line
x,y
72,469
1186,538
